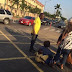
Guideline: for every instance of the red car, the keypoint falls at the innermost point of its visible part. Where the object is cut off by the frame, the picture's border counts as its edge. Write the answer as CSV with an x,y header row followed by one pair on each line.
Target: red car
x,y
27,20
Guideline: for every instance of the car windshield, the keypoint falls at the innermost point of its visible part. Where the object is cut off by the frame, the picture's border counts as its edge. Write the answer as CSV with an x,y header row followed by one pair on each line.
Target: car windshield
x,y
28,17
8,12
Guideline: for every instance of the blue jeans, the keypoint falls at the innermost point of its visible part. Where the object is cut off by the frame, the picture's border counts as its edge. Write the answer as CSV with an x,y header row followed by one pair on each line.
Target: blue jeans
x,y
49,60
63,52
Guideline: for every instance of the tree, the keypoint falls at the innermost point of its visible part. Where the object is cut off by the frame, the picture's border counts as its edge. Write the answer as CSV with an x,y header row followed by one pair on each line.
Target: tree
x,y
24,8
63,18
35,10
47,14
30,8
57,7
58,13
0,5
16,2
12,4
53,16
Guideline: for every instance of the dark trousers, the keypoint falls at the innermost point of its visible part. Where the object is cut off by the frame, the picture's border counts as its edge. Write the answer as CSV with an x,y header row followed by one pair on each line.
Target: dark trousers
x,y
63,52
49,60
34,37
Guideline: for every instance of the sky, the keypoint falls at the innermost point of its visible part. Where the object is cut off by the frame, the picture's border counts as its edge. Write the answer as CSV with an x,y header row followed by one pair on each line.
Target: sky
x,y
66,6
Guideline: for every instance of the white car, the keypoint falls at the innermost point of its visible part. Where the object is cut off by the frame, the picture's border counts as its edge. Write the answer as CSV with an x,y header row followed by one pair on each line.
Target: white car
x,y
5,16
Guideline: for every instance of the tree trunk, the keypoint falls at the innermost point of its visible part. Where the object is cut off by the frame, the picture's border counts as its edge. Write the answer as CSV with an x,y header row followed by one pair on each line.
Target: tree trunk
x,y
24,13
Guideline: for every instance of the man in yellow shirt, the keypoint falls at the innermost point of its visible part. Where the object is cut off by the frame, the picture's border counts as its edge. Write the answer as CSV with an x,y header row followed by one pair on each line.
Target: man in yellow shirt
x,y
35,30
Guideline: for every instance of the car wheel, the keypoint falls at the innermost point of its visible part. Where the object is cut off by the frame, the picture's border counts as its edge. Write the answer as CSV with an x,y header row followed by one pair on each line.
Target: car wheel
x,y
6,21
59,26
30,24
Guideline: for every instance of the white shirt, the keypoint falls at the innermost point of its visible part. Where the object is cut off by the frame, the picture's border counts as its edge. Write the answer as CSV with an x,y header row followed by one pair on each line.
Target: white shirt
x,y
67,43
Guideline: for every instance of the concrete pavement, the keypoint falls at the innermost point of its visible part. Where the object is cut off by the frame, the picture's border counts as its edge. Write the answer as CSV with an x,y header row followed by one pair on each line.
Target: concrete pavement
x,y
14,49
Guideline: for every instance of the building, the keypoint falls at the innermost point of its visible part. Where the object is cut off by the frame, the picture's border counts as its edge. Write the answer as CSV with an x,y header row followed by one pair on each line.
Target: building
x,y
34,3
7,4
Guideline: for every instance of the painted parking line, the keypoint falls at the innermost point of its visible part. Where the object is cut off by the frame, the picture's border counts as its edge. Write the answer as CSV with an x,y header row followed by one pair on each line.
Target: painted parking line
x,y
19,31
42,45
14,35
15,58
15,43
39,69
54,43
24,43
23,35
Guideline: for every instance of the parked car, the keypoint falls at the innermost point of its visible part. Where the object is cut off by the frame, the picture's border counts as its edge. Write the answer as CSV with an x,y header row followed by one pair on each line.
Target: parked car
x,y
5,16
54,21
44,21
61,24
27,20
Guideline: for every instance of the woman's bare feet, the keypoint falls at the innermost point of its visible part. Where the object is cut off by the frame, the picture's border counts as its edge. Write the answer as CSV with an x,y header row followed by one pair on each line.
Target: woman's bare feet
x,y
61,66
71,62
54,62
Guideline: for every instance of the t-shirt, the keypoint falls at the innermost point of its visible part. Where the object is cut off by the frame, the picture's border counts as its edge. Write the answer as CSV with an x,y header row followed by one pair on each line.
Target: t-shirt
x,y
67,43
37,25
46,51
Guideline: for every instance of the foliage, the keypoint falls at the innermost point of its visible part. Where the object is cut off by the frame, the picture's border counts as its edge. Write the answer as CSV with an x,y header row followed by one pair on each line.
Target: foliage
x,y
57,7
63,18
35,10
49,15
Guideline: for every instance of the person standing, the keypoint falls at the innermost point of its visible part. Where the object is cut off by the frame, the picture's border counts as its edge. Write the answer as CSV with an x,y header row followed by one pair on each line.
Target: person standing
x,y
35,30
65,45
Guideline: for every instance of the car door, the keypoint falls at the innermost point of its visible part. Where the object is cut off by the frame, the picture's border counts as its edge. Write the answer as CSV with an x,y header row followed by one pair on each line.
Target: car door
x,y
2,14
32,20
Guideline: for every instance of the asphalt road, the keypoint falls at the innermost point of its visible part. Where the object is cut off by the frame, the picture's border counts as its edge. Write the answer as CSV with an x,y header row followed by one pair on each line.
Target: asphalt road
x,y
14,48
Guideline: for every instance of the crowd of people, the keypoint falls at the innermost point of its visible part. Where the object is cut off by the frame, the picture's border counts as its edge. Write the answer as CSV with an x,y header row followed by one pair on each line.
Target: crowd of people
x,y
64,44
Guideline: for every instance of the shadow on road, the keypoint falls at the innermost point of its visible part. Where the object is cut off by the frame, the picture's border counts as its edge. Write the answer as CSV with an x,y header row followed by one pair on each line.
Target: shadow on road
x,y
25,39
